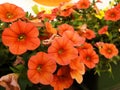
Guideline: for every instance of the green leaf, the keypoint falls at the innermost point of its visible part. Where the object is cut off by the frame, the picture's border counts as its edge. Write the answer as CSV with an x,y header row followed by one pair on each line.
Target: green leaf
x,y
14,70
35,9
24,82
18,69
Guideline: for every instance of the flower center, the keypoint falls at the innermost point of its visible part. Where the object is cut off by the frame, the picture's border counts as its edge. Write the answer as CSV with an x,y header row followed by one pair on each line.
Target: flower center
x,y
60,51
21,37
83,5
39,68
113,14
9,15
88,58
109,50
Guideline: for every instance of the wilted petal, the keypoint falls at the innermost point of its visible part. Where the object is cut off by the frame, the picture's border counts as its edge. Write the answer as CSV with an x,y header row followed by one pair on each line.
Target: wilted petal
x,y
9,82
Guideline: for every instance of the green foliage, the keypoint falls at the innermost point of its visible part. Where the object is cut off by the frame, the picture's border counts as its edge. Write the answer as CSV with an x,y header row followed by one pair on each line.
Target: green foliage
x,y
35,9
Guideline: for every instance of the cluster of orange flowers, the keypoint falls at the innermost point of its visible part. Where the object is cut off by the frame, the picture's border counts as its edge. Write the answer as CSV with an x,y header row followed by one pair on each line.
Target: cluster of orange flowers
x,y
68,52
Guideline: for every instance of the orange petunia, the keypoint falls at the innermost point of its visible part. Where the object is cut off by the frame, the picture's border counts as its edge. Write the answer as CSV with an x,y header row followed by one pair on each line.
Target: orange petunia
x,y
48,16
49,29
84,46
62,80
77,70
41,68
83,4
74,37
103,30
62,51
48,32
112,14
64,27
10,12
109,50
89,58
55,11
89,34
20,37
66,12
117,6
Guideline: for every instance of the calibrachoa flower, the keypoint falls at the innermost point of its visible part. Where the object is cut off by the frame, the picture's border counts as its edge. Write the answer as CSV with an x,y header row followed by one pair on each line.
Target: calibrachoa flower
x,y
112,14
84,46
41,68
64,27
62,51
49,29
59,47
10,12
62,79
74,37
103,30
66,12
20,37
117,6
48,16
83,4
89,34
77,70
109,50
89,58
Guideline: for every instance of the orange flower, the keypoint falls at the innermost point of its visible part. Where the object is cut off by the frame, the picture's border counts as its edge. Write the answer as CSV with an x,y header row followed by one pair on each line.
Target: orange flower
x,y
83,4
62,51
50,29
77,69
74,37
117,6
10,12
64,27
42,15
103,30
109,50
62,79
48,16
66,12
89,58
36,22
112,14
89,34
20,37
41,68
55,11
84,46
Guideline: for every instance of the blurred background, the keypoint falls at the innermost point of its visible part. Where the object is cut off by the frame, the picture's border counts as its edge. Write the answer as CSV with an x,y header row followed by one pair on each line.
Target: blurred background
x,y
27,4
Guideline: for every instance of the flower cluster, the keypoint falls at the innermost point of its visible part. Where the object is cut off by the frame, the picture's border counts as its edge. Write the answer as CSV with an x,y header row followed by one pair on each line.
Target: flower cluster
x,y
57,48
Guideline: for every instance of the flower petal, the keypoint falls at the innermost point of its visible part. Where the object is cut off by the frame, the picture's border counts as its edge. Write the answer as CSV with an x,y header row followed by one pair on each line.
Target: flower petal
x,y
32,43
18,48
